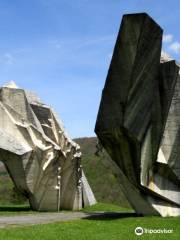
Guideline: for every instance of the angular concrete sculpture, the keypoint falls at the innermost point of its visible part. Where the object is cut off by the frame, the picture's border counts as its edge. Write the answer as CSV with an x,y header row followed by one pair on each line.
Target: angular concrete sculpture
x,y
43,162
139,118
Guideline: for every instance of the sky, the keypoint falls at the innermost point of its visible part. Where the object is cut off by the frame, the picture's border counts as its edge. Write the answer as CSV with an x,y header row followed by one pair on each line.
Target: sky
x,y
61,49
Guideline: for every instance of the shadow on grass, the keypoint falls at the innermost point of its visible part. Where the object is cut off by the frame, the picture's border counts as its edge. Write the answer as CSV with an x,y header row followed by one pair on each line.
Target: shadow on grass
x,y
110,215
15,209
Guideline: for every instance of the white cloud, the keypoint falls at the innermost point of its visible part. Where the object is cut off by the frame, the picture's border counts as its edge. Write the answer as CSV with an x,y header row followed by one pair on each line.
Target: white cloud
x,y
8,58
175,47
97,40
24,50
82,42
56,43
165,56
167,38
110,56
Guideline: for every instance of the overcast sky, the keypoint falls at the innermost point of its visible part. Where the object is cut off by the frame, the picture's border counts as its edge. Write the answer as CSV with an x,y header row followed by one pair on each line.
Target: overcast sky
x,y
61,49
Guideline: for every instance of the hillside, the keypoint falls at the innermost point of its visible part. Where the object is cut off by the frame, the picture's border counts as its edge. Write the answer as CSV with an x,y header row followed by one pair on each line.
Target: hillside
x,y
101,173
8,193
99,170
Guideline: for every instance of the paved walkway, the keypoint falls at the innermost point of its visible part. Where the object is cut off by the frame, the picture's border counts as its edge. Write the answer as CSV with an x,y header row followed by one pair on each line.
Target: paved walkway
x,y
42,218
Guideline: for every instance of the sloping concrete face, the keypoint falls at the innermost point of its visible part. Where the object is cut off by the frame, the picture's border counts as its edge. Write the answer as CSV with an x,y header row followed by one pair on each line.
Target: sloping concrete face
x,y
139,118
43,162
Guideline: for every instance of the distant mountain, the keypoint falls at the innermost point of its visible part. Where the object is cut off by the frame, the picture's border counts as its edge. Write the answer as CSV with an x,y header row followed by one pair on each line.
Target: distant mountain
x,y
87,144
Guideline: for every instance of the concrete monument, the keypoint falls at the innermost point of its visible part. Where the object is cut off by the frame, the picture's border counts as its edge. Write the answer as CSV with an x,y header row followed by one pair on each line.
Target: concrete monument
x,y
43,162
139,118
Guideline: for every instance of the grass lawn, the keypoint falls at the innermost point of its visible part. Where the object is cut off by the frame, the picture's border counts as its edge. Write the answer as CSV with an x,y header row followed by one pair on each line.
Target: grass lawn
x,y
106,207
19,209
96,229
15,209
122,228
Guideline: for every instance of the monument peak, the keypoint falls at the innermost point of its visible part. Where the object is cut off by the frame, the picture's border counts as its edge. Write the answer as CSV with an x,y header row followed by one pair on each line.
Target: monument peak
x,y
11,84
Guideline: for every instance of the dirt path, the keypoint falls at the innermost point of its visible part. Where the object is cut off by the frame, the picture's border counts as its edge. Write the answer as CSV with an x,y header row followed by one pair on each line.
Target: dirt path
x,y
43,218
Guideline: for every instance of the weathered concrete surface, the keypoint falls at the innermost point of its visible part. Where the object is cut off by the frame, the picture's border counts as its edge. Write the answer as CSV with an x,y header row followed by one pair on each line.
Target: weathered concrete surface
x,y
139,118
43,162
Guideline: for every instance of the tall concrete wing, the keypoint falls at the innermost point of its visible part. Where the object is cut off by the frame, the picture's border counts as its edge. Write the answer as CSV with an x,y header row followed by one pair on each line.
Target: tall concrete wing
x,y
43,162
139,118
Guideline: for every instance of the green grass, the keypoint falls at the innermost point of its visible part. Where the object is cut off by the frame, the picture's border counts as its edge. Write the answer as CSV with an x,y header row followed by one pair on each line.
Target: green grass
x,y
104,228
19,209
106,207
122,228
15,209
